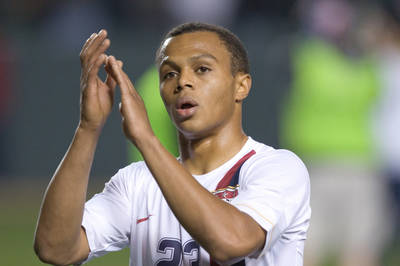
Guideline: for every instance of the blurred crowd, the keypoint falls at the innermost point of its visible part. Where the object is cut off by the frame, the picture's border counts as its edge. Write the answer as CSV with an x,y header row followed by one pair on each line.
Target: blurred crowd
x,y
333,97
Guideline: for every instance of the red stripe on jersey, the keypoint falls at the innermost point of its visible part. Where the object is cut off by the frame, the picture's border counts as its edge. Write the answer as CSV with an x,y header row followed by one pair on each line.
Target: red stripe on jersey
x,y
228,176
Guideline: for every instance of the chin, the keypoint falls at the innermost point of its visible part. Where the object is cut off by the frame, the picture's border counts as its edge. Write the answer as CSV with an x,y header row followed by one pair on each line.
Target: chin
x,y
194,129
191,129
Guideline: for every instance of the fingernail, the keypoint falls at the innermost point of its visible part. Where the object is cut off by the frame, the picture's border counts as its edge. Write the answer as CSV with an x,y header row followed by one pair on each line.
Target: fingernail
x,y
100,31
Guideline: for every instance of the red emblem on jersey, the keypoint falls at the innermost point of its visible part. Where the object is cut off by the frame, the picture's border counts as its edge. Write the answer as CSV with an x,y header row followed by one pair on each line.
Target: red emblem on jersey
x,y
227,193
143,219
228,186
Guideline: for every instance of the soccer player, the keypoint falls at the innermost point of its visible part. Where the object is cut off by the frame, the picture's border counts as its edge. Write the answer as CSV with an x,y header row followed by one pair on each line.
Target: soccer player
x,y
227,199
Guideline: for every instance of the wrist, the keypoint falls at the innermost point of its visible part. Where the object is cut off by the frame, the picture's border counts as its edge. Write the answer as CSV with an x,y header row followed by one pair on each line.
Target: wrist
x,y
146,142
92,132
84,127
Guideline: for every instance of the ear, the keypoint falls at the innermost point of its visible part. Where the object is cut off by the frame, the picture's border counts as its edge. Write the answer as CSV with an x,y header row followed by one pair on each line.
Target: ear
x,y
243,85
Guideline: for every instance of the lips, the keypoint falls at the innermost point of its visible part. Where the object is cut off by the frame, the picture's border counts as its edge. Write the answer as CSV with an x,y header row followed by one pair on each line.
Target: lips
x,y
186,107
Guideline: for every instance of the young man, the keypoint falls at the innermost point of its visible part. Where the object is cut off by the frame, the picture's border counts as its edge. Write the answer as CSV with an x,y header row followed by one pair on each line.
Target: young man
x,y
227,198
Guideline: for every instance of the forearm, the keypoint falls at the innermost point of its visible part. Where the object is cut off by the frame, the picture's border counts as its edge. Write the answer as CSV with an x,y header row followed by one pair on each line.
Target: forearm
x,y
219,227
60,218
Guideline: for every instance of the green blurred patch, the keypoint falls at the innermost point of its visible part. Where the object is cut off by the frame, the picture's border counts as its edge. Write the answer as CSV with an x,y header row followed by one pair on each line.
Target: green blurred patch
x,y
391,256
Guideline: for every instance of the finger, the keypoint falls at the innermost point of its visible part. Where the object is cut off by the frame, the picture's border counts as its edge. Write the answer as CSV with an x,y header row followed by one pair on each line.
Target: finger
x,y
100,50
94,69
93,46
126,85
109,80
132,89
111,83
129,84
88,43
85,45
117,74
88,63
124,75
96,40
82,54
107,66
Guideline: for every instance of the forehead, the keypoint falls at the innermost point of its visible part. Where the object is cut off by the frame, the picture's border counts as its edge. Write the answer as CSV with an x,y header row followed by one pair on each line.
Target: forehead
x,y
192,44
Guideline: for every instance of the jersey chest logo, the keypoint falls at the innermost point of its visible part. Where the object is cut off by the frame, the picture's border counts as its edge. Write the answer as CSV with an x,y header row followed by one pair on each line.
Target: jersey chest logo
x,y
228,187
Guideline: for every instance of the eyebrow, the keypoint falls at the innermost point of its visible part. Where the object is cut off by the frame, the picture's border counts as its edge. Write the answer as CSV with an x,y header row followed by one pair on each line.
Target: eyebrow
x,y
167,61
197,57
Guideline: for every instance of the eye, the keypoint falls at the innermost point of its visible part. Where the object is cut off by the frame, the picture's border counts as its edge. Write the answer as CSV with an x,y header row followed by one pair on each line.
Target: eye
x,y
203,69
169,75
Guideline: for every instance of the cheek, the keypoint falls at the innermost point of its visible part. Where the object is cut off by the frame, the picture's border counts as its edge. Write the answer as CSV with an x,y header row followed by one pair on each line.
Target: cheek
x,y
220,98
165,96
224,91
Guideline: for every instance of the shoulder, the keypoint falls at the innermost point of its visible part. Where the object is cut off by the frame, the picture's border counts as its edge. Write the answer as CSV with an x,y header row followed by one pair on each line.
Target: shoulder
x,y
129,177
133,169
270,155
277,165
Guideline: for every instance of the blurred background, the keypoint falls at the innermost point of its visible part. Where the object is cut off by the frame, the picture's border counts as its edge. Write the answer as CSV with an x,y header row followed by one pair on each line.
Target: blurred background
x,y
326,85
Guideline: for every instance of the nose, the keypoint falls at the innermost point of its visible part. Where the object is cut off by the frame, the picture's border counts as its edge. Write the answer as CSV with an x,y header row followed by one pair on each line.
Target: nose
x,y
185,81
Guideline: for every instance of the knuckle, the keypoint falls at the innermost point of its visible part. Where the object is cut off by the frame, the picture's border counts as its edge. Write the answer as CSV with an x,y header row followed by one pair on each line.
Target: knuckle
x,y
82,56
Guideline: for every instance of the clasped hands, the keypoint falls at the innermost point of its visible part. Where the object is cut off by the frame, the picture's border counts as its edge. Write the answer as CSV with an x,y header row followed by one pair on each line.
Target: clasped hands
x,y
97,96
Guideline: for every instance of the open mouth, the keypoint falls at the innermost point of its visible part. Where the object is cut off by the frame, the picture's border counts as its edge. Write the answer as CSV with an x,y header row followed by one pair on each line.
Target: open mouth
x,y
186,106
185,103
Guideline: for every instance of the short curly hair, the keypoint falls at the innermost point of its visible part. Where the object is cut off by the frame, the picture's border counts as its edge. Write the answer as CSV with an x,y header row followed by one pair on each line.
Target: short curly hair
x,y
239,58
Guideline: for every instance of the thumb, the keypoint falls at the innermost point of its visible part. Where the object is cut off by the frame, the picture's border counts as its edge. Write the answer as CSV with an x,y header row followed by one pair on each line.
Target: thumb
x,y
110,81
118,75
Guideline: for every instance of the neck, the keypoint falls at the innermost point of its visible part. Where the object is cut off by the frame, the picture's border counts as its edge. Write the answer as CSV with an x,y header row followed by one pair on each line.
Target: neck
x,y
204,154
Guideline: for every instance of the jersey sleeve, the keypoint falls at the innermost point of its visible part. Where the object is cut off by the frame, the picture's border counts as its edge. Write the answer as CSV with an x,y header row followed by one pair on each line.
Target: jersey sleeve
x,y
274,191
107,217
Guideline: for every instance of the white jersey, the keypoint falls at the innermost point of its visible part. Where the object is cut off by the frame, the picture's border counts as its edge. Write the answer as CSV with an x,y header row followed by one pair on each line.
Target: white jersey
x,y
272,186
